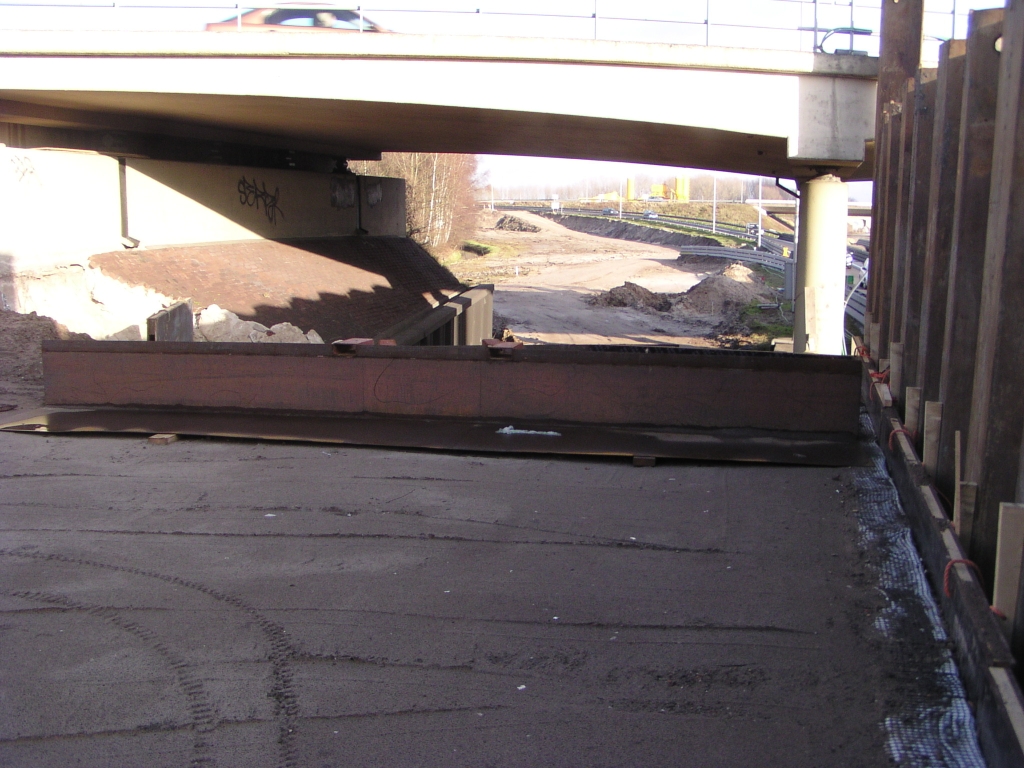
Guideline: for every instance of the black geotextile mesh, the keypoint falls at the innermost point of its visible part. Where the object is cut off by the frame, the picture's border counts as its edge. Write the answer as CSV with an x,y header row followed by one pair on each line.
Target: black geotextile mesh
x,y
933,725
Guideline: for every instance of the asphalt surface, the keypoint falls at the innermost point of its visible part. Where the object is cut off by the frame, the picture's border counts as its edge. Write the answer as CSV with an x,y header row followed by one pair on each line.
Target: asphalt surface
x,y
228,603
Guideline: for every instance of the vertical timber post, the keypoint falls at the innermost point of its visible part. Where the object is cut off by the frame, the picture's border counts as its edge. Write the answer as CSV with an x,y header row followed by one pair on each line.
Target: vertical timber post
x,y
899,59
818,324
967,239
935,280
898,235
917,223
997,408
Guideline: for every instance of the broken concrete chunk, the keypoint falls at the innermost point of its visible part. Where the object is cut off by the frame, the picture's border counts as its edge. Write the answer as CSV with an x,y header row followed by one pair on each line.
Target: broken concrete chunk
x,y
217,324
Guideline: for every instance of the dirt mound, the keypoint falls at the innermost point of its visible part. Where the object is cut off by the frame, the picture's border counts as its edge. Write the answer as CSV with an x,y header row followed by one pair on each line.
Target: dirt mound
x,y
21,359
512,224
622,230
635,296
721,294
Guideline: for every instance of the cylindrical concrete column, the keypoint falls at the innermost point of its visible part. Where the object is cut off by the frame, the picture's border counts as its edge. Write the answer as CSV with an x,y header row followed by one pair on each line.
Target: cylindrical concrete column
x,y
818,322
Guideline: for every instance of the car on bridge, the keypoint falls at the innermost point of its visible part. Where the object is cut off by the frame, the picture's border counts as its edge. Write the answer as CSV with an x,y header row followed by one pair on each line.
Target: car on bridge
x,y
608,212
650,215
300,18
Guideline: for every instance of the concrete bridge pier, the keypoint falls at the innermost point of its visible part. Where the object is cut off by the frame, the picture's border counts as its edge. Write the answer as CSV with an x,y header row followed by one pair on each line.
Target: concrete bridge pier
x,y
820,267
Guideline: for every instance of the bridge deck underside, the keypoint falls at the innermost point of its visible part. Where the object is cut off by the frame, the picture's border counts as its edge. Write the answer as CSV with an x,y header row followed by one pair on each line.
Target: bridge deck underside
x,y
359,129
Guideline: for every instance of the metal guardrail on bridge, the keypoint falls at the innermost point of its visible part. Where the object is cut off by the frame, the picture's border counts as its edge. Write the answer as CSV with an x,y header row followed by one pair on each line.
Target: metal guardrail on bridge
x,y
832,26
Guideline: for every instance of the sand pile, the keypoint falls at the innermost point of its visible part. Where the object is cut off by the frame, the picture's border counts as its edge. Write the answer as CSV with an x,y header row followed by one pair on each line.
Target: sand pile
x,y
635,296
723,294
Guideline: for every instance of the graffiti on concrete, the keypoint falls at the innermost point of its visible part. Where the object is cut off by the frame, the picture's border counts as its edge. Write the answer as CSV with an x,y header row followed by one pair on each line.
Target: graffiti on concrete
x,y
253,194
343,192
22,167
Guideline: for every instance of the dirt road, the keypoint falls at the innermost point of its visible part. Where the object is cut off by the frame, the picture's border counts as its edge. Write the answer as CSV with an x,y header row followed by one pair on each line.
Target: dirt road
x,y
558,269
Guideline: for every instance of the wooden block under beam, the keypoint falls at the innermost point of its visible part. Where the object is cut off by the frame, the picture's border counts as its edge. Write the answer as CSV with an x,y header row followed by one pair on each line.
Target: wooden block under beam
x,y
1009,546
912,411
932,429
883,394
163,439
895,368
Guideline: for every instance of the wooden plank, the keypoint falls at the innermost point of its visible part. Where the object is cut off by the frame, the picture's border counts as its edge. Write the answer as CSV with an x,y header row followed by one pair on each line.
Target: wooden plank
x,y
811,393
163,439
997,408
925,94
945,152
1009,547
932,425
967,241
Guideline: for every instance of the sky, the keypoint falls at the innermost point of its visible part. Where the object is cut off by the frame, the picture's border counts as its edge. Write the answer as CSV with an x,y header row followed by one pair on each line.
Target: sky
x,y
745,23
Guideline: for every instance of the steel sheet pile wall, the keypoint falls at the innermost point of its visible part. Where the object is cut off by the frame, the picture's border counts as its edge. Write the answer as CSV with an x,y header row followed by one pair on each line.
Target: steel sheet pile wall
x,y
944,322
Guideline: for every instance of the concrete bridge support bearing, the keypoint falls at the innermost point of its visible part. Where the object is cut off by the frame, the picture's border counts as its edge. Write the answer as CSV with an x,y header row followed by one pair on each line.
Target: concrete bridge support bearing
x,y
821,267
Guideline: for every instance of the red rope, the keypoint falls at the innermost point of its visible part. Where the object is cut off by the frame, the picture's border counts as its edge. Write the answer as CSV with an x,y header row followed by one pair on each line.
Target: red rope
x,y
882,376
997,612
863,352
949,567
896,432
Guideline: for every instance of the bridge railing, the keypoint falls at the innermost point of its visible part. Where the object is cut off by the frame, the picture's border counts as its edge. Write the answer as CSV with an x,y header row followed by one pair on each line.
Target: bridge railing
x,y
828,26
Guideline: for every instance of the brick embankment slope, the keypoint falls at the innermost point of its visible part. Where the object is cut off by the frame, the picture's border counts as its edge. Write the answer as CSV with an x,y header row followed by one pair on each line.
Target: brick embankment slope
x,y
342,287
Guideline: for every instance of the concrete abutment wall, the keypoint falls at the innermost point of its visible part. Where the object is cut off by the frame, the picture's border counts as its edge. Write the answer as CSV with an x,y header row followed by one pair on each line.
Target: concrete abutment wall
x,y
58,208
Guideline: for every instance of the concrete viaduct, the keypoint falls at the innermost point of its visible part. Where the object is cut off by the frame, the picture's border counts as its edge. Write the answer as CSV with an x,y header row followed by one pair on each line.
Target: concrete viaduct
x,y
326,98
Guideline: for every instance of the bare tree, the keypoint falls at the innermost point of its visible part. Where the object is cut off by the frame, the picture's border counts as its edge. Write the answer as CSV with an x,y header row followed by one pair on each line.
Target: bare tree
x,y
439,192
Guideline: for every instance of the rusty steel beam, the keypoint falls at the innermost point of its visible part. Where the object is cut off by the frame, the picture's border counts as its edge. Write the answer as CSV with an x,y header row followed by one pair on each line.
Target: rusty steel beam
x,y
635,386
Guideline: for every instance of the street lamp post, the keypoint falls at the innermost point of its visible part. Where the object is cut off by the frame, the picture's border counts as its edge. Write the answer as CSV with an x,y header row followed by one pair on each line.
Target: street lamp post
x,y
759,209
714,204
